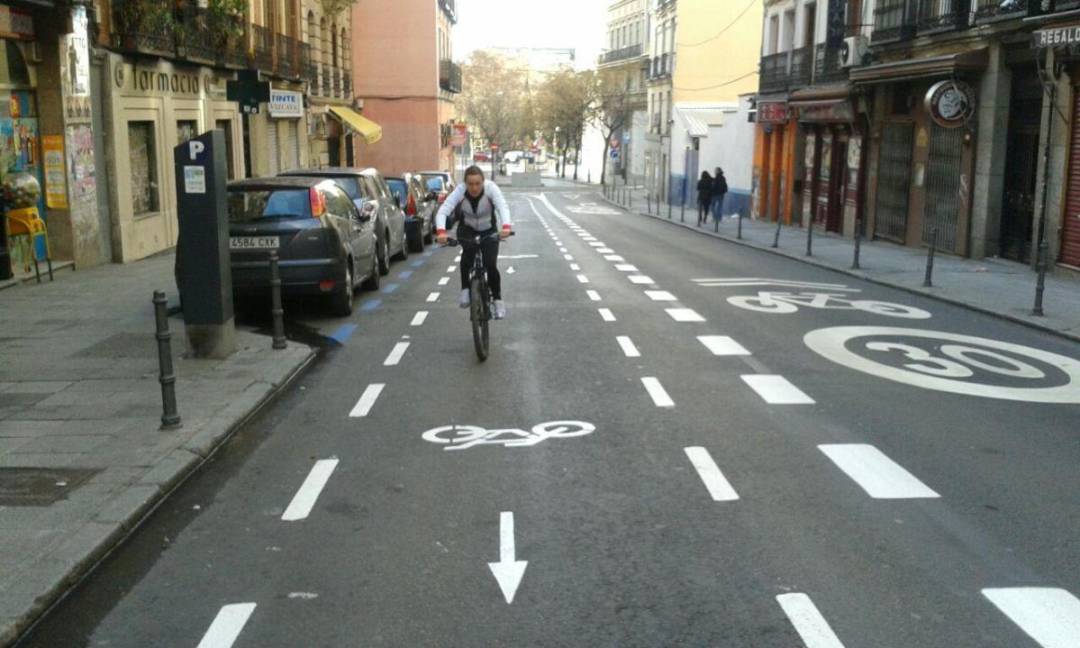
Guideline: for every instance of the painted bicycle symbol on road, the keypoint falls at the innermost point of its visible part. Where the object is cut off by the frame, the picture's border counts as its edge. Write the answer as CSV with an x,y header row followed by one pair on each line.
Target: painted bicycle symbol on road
x,y
785,303
463,437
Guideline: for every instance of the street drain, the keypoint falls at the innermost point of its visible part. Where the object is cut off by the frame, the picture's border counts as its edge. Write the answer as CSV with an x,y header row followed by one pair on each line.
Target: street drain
x,y
40,486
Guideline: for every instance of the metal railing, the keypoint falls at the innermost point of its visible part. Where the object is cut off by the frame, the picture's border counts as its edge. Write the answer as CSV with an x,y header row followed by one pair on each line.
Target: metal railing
x,y
802,67
324,83
286,56
774,72
309,69
661,66
449,76
144,26
346,84
621,54
335,75
987,10
196,37
262,48
893,20
943,15
827,65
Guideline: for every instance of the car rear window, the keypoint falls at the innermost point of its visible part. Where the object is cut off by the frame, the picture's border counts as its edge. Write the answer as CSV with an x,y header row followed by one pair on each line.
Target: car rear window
x,y
398,187
434,183
351,187
254,205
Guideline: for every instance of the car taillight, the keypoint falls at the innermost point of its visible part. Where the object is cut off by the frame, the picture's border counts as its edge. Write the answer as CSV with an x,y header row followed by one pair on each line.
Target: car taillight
x,y
442,197
318,202
410,208
326,285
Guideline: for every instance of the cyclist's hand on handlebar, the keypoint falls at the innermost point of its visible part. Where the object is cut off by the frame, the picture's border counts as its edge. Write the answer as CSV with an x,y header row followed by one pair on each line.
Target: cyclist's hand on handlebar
x,y
442,239
505,234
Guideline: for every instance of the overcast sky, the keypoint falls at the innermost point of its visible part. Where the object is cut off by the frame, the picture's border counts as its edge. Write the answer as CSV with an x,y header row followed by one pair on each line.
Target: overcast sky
x,y
531,23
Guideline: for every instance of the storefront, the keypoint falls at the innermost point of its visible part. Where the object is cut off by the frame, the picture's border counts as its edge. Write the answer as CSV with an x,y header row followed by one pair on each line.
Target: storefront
x,y
831,156
278,133
774,162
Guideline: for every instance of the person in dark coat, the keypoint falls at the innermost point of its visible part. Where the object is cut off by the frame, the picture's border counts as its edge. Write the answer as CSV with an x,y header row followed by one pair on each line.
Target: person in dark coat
x,y
704,197
719,189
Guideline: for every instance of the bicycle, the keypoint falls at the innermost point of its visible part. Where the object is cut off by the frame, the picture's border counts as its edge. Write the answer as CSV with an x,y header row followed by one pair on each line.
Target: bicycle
x,y
481,303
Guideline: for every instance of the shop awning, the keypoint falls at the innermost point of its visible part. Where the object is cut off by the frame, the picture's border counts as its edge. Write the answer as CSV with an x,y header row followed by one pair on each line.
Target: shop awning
x,y
369,130
830,103
934,66
698,120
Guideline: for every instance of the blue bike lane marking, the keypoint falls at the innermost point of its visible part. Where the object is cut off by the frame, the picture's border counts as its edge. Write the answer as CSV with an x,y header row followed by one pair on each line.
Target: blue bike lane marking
x,y
342,333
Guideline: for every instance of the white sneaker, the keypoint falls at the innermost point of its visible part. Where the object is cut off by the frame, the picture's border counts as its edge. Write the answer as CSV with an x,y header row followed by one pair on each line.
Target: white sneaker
x,y
500,310
463,298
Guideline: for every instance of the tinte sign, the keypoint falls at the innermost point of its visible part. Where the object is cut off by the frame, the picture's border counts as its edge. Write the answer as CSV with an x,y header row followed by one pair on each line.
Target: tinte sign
x,y
285,104
1057,37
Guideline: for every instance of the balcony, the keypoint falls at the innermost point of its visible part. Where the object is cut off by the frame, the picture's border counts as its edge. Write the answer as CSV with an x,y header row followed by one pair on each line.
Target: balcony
x,y
774,72
449,76
324,84
943,15
309,69
346,84
827,65
991,10
893,20
448,8
802,67
335,75
286,56
662,66
262,48
143,26
621,54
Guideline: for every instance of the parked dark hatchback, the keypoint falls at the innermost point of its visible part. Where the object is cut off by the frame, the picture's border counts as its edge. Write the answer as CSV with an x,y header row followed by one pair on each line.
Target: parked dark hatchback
x,y
441,182
325,245
419,205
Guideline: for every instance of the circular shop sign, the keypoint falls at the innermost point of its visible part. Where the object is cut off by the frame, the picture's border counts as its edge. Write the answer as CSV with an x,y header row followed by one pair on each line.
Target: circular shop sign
x,y
950,103
949,362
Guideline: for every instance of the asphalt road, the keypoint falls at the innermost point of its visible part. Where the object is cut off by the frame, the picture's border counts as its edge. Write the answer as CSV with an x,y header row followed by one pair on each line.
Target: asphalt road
x,y
892,488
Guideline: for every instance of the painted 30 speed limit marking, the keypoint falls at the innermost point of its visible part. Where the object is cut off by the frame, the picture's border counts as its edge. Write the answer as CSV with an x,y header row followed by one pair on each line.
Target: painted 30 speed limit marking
x,y
950,362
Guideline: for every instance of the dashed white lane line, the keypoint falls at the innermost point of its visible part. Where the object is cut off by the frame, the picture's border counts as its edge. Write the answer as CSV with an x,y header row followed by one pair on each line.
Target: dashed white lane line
x,y
457,259
607,314
776,390
625,267
596,244
444,281
575,267
593,295
582,278
395,354
228,623
684,315
367,399
879,476
305,498
418,319
451,268
563,250
605,250
657,393
1050,616
615,258
659,295
568,257
723,345
433,297
640,280
628,348
808,622
717,485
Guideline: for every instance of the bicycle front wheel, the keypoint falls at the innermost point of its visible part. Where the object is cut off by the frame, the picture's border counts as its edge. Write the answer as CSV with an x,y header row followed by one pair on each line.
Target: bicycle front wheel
x,y
478,312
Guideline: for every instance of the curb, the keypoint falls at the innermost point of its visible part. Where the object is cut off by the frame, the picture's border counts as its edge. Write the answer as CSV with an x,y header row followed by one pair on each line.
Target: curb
x,y
183,463
860,275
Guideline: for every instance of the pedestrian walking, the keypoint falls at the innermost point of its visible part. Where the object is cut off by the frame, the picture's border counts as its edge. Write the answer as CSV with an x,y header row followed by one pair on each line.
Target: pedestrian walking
x,y
704,197
719,189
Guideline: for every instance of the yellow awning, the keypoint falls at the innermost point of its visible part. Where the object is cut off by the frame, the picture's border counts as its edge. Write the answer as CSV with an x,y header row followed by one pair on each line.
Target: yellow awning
x,y
370,131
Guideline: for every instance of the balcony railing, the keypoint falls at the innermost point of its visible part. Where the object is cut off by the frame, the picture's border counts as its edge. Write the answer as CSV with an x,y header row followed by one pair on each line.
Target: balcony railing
x,y
621,54
144,26
893,20
196,38
335,75
346,84
325,81
987,10
181,31
662,66
286,56
802,67
774,72
309,69
827,65
449,76
262,48
943,15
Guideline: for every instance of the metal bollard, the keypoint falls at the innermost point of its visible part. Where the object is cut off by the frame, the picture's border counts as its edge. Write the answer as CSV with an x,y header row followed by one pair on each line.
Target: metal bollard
x,y
776,237
810,238
858,240
630,201
170,418
1040,285
648,203
738,232
669,206
276,311
928,282
682,212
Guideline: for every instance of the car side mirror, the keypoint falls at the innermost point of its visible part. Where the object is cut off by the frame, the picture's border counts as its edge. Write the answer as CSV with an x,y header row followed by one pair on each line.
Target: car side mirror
x,y
367,211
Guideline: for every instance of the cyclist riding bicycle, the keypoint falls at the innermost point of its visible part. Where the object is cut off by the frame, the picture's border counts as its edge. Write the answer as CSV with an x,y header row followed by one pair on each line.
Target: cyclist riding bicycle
x,y
479,209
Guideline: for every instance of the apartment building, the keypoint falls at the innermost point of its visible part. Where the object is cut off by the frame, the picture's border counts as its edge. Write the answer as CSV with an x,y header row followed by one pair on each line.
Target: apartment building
x,y
626,57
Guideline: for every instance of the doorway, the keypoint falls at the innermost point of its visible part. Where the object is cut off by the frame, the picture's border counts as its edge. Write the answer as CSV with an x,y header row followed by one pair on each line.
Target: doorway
x,y
1021,162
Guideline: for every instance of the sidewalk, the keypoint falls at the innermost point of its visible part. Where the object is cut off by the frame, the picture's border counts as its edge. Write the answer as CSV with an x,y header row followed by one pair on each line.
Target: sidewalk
x,y
994,286
81,457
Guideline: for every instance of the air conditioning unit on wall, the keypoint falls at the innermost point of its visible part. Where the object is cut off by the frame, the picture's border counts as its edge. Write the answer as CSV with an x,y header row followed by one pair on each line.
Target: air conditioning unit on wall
x,y
852,51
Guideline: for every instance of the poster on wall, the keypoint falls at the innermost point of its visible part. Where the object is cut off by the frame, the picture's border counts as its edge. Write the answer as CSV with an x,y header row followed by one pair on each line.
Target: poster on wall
x,y
52,150
75,67
80,151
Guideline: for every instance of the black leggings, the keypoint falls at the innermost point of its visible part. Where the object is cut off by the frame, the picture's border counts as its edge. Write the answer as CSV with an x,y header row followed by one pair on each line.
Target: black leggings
x,y
491,259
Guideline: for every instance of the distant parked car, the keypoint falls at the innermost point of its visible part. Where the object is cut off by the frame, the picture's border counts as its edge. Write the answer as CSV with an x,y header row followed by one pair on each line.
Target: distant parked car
x,y
326,246
441,182
419,205
481,156
513,157
368,190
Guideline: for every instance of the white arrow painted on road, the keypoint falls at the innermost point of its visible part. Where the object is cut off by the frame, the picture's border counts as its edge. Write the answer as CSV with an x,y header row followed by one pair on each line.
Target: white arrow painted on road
x,y
510,270
508,572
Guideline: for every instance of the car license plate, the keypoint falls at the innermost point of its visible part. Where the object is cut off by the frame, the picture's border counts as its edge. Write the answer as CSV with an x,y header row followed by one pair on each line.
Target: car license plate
x,y
253,242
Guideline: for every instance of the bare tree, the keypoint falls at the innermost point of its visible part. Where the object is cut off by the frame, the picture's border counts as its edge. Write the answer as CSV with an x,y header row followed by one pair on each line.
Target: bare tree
x,y
610,110
493,96
564,102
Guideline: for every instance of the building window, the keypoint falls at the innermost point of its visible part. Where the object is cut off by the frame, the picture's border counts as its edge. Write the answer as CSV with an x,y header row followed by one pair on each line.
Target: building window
x,y
226,126
186,130
142,147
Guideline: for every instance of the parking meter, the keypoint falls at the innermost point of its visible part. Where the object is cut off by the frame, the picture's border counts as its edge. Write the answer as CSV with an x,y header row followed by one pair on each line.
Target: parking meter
x,y
203,275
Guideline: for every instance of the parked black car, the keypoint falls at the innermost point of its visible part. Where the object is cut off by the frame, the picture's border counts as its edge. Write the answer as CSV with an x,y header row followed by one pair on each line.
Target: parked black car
x,y
419,205
368,190
325,244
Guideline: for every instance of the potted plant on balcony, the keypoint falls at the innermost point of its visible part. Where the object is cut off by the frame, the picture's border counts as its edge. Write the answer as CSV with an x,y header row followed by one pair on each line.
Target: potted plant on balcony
x,y
145,26
225,20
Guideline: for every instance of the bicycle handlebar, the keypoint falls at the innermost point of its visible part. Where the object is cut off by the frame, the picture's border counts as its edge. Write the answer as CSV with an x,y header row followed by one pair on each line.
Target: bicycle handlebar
x,y
453,242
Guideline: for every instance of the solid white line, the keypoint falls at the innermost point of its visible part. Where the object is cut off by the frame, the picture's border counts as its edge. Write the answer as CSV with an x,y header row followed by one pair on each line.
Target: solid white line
x,y
719,487
228,623
640,279
304,500
582,278
723,345
607,315
593,295
444,281
656,391
808,622
395,354
418,319
628,347
575,267
659,295
614,257
568,257
433,297
776,390
879,476
625,267
1048,615
367,399
684,315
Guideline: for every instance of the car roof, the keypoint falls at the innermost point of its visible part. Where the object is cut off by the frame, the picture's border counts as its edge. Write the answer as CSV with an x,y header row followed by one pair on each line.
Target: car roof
x,y
277,182
444,174
326,172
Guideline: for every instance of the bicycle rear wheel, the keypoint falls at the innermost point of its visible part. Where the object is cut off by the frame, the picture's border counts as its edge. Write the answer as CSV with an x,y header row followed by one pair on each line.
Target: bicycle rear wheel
x,y
478,313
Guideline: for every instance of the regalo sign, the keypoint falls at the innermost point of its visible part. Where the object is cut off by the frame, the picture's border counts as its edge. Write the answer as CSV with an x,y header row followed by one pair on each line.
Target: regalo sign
x,y
1057,37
